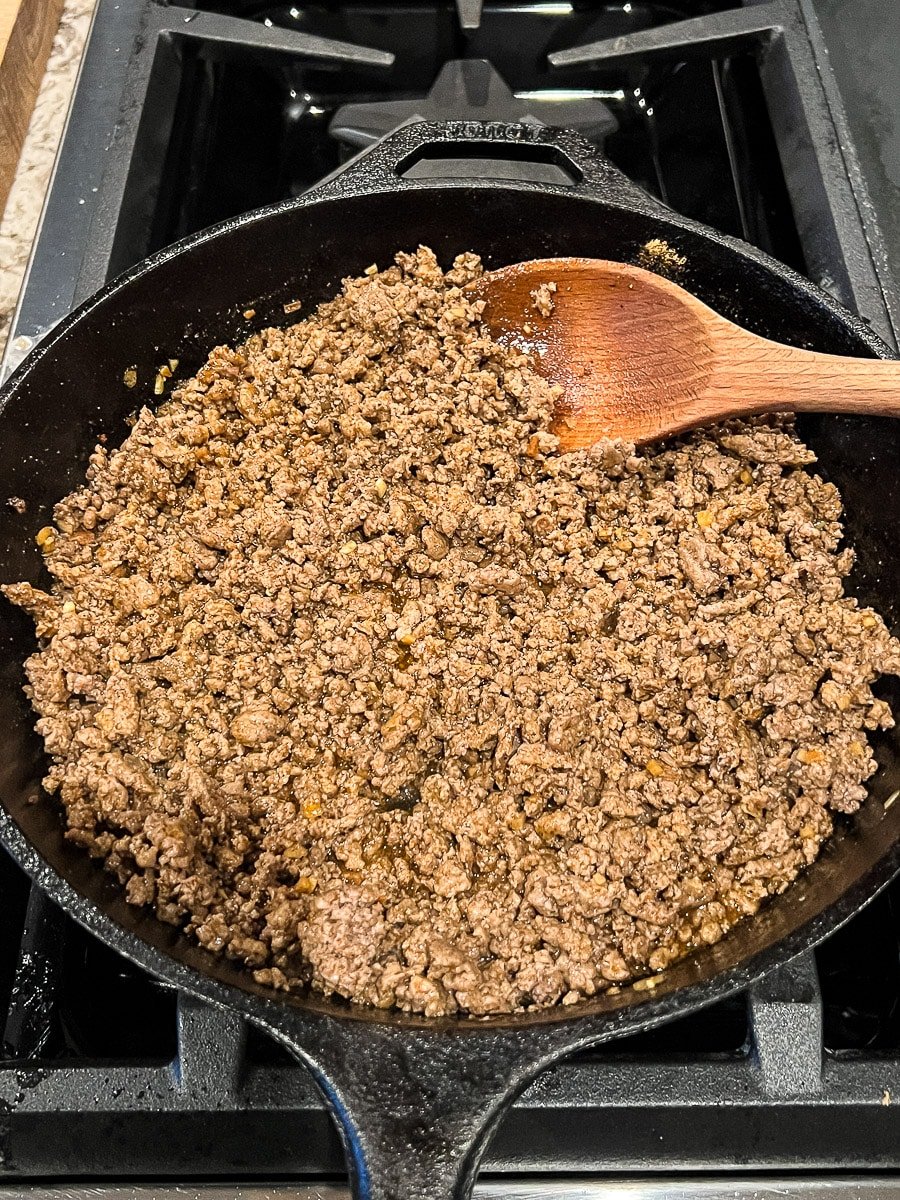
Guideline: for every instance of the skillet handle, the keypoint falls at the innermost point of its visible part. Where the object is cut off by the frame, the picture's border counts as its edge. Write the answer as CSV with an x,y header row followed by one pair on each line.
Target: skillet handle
x,y
478,153
416,1108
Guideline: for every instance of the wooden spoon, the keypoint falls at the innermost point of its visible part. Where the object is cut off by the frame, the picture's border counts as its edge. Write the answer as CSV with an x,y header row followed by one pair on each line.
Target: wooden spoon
x,y
640,358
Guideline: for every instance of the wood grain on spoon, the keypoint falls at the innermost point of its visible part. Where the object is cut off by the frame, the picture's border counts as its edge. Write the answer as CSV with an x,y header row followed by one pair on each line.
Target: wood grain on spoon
x,y
640,358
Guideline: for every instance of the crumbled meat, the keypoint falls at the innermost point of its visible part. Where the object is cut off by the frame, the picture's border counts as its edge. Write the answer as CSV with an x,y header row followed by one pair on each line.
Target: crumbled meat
x,y
658,256
542,299
348,672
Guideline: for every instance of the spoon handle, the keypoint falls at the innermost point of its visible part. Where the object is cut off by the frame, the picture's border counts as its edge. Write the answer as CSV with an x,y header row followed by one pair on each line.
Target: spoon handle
x,y
786,378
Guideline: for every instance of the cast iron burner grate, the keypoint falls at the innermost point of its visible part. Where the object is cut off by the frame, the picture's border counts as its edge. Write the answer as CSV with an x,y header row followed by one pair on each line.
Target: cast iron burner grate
x,y
470,86
184,116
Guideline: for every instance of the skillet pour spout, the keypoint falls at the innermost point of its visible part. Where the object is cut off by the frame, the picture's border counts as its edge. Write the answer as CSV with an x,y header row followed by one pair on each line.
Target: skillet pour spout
x,y
416,1101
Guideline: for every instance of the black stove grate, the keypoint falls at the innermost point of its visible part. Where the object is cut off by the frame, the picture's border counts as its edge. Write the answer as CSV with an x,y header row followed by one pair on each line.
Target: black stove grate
x,y
184,116
109,1073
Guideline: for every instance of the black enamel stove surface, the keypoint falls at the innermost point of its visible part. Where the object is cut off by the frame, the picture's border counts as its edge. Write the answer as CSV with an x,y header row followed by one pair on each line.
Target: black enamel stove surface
x,y
184,116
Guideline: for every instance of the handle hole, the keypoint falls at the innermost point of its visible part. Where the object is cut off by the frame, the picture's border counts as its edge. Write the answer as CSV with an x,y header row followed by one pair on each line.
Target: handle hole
x,y
523,162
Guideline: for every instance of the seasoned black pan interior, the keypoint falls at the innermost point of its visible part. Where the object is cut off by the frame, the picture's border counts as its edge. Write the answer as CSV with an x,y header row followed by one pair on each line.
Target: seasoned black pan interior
x,y
186,301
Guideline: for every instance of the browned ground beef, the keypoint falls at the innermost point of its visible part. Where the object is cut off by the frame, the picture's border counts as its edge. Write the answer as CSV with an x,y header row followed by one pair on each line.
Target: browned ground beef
x,y
348,671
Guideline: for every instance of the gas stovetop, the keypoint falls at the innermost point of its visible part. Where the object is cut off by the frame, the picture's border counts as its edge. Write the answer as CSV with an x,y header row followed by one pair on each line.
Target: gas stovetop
x,y
185,116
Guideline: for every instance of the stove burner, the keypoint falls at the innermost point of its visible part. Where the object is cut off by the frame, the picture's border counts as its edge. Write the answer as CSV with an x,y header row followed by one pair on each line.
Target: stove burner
x,y
470,89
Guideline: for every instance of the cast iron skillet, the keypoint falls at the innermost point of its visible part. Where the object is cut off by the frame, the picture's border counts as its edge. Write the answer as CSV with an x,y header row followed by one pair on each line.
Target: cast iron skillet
x,y
416,1100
